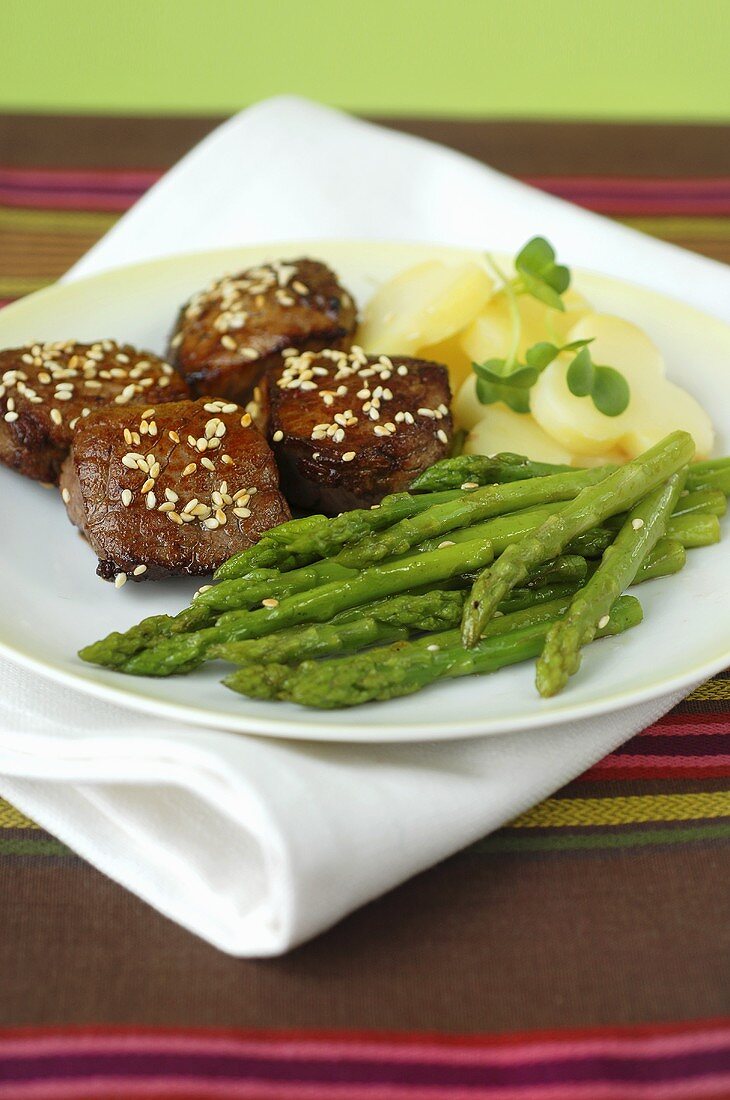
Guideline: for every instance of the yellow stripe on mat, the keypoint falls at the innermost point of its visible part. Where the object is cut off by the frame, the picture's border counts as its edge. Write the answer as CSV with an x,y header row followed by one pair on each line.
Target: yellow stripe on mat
x,y
712,690
16,288
10,818
56,221
625,810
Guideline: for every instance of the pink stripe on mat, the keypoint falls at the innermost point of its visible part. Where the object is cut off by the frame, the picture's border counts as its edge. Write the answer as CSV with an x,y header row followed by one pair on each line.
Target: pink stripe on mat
x,y
475,1051
115,1088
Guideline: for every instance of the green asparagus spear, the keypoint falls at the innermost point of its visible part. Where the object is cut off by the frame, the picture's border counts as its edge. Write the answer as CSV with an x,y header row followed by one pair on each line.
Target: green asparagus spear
x,y
436,610
695,530
406,667
385,621
329,537
620,490
712,474
431,611
183,652
709,501
668,556
703,501
236,595
267,552
644,526
452,473
442,519
302,541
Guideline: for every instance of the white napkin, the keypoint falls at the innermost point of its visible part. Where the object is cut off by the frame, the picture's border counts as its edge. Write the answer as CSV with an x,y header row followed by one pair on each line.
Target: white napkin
x,y
257,845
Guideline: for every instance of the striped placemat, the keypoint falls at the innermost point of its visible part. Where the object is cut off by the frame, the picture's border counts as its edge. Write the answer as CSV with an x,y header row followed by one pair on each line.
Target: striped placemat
x,y
581,952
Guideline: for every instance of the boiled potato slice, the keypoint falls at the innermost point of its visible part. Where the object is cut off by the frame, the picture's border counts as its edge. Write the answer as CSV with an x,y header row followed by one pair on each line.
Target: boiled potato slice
x,y
500,429
467,408
490,335
668,408
609,458
657,406
575,422
453,356
424,305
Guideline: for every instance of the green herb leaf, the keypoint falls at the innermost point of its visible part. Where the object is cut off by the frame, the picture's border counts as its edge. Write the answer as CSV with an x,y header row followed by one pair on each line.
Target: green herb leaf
x,y
541,276
541,355
516,398
581,374
495,370
611,393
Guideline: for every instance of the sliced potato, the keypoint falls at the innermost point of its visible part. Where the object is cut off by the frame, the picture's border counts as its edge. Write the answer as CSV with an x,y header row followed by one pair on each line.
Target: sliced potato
x,y
609,458
667,408
575,422
500,429
656,407
453,356
490,334
467,408
424,305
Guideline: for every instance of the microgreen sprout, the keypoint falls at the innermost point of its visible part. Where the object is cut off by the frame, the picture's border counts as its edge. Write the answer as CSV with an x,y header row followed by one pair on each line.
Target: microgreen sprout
x,y
509,380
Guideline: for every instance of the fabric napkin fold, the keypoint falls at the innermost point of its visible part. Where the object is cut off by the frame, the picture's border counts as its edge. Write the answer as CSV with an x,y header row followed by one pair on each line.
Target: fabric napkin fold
x,y
254,844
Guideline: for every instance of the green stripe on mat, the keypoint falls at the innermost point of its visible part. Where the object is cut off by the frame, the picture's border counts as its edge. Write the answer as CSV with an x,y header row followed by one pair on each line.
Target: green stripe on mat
x,y
567,842
32,846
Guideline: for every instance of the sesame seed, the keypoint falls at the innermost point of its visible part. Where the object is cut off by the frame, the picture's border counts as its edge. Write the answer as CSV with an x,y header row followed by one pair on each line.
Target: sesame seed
x,y
228,342
173,516
278,436
211,523
426,412
206,462
139,570
189,469
11,416
120,580
348,456
242,513
151,501
446,542
433,648
227,459
149,484
441,434
270,602
246,420
170,494
470,485
126,497
130,461
168,506
230,407
603,622
637,524
65,496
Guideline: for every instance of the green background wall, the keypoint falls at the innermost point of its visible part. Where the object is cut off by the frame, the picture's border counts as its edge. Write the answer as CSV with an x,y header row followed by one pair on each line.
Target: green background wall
x,y
572,58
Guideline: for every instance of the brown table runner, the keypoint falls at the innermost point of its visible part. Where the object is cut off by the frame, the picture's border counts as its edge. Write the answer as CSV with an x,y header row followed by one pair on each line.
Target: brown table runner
x,y
593,930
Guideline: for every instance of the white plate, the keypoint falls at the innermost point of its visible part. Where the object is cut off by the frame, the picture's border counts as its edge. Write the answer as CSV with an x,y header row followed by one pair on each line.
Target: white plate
x,y
52,603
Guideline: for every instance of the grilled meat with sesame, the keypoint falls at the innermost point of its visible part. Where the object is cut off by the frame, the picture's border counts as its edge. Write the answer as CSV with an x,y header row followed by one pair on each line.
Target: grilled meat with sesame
x,y
170,489
347,429
228,335
47,389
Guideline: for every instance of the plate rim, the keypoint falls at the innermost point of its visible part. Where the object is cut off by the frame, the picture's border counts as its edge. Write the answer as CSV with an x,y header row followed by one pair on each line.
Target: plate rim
x,y
349,731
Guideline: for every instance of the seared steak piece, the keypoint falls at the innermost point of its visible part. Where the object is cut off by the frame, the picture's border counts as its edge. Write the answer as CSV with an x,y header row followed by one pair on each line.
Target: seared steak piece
x,y
227,335
47,389
170,489
348,428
